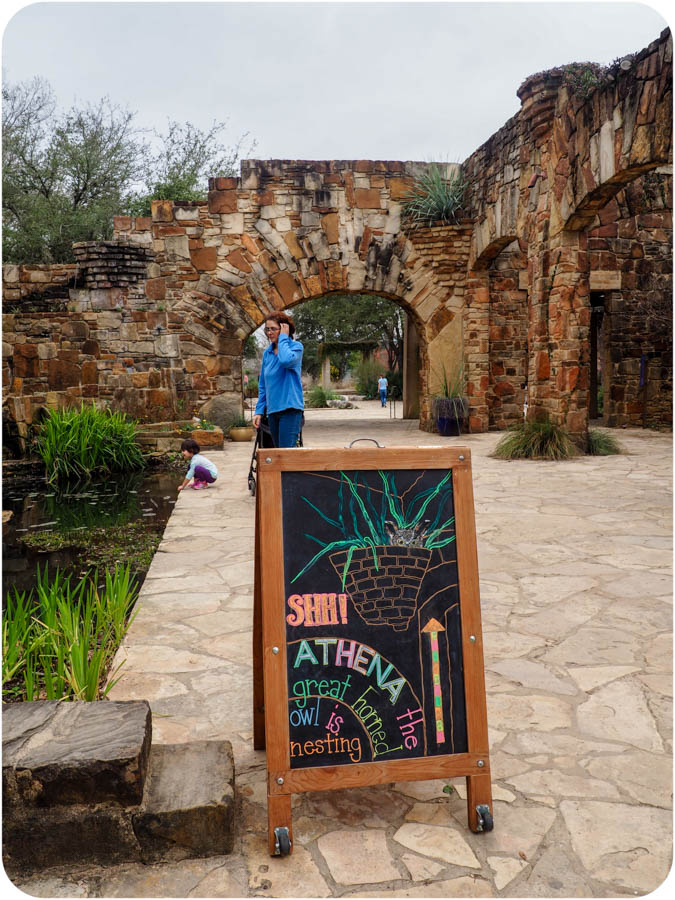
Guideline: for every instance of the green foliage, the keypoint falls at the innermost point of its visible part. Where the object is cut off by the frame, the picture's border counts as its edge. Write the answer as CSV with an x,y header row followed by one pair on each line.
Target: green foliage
x,y
535,440
250,348
239,422
66,174
367,373
371,519
103,546
434,198
584,78
77,444
318,397
453,384
602,444
58,642
187,158
366,378
348,319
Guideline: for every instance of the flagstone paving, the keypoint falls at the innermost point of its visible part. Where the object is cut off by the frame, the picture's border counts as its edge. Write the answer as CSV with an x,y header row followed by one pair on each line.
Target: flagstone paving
x,y
575,570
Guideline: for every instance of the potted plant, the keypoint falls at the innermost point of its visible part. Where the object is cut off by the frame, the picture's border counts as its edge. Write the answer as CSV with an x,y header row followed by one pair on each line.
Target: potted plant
x,y
241,429
383,543
450,407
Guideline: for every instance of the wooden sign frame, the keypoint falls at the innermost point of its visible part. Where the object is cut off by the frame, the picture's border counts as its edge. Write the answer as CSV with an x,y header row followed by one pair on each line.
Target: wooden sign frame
x,y
270,688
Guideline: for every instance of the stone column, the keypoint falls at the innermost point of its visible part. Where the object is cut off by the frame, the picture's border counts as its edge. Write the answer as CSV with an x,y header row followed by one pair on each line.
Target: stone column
x,y
560,317
477,348
325,372
411,367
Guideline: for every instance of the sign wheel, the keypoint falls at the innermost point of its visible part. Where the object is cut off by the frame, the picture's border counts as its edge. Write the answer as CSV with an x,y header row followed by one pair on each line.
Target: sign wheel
x,y
485,821
282,846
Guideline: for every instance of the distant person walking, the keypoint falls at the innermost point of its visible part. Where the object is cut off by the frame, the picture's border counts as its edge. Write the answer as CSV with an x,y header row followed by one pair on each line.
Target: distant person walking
x,y
382,385
279,387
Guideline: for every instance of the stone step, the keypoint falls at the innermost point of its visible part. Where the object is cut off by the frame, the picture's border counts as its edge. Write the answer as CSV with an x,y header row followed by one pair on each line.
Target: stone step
x,y
56,754
187,812
188,808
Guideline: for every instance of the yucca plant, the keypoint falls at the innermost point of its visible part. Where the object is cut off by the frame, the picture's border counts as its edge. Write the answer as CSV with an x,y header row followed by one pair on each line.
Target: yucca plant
x,y
535,440
602,444
434,198
80,443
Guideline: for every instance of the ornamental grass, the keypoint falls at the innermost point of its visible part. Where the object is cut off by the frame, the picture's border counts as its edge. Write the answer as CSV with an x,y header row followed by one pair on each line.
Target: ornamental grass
x,y
535,440
76,444
602,444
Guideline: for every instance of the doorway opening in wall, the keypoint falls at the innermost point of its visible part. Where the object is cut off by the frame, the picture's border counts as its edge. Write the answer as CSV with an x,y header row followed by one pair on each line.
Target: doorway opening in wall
x,y
596,338
354,348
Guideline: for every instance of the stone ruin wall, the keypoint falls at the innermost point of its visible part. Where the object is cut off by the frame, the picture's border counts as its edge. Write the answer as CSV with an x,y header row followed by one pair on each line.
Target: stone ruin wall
x,y
141,324
153,322
582,192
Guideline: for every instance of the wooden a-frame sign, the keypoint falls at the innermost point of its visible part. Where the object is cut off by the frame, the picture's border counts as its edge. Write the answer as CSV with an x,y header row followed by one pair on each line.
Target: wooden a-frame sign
x,y
367,641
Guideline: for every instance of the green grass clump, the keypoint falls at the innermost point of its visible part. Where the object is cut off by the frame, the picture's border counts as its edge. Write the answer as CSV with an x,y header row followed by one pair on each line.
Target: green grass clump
x,y
59,641
80,443
318,397
535,440
434,198
602,444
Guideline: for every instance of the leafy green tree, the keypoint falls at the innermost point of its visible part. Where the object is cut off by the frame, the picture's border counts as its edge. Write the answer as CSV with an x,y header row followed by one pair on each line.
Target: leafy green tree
x,y
64,174
186,159
348,319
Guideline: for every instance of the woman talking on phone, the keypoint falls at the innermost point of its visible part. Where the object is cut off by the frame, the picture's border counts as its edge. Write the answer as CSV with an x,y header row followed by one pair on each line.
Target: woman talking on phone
x,y
279,387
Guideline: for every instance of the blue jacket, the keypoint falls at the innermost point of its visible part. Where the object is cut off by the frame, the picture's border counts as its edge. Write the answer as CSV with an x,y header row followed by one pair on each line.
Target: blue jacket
x,y
279,386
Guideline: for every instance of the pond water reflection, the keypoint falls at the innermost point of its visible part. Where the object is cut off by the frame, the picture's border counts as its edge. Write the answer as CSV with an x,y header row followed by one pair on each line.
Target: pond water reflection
x,y
139,502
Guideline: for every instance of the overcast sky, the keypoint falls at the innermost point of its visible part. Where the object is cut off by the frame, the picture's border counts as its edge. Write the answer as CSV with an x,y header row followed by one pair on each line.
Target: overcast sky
x,y
319,80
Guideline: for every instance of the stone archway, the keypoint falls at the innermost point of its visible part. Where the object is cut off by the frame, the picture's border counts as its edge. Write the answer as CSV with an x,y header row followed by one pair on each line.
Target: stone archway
x,y
290,231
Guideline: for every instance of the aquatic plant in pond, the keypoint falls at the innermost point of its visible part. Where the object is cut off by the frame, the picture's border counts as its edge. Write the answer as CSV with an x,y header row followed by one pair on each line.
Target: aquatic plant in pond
x,y
365,521
59,641
80,443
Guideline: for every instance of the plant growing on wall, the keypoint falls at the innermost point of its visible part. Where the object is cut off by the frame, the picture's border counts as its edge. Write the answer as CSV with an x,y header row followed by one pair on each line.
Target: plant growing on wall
x,y
366,521
434,198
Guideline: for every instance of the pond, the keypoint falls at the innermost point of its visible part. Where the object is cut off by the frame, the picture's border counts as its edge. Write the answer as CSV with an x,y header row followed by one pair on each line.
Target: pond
x,y
79,527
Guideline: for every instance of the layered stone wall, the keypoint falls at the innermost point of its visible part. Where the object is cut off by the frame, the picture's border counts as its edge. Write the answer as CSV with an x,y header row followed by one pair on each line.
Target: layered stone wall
x,y
553,174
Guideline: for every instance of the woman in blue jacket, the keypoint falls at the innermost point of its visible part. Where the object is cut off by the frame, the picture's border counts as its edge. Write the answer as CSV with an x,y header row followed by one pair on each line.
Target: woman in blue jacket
x,y
279,386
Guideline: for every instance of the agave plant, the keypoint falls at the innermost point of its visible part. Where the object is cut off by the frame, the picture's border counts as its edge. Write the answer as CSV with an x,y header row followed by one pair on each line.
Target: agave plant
x,y
361,524
434,198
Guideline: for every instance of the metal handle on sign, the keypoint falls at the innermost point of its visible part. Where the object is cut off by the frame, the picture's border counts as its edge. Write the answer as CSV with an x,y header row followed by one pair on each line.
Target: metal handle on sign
x,y
349,446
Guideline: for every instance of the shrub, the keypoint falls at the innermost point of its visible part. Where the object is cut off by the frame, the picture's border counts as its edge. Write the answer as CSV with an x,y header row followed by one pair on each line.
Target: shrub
x,y
318,397
434,198
60,643
80,443
535,440
602,444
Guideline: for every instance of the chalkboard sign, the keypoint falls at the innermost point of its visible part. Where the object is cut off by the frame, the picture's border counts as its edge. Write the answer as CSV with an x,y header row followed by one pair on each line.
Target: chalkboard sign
x,y
367,594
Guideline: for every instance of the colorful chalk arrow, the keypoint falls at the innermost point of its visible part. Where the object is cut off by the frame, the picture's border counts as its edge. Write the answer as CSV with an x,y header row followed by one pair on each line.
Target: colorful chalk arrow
x,y
432,628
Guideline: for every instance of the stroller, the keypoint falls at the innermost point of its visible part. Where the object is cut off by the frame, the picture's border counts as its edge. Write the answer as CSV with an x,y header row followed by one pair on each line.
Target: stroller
x,y
263,439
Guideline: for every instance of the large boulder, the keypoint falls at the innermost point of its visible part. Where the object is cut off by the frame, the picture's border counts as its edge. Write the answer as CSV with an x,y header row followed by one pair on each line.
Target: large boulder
x,y
222,409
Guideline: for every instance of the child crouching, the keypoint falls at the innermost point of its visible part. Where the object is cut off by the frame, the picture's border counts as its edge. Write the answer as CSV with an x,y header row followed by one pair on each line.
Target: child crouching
x,y
202,471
